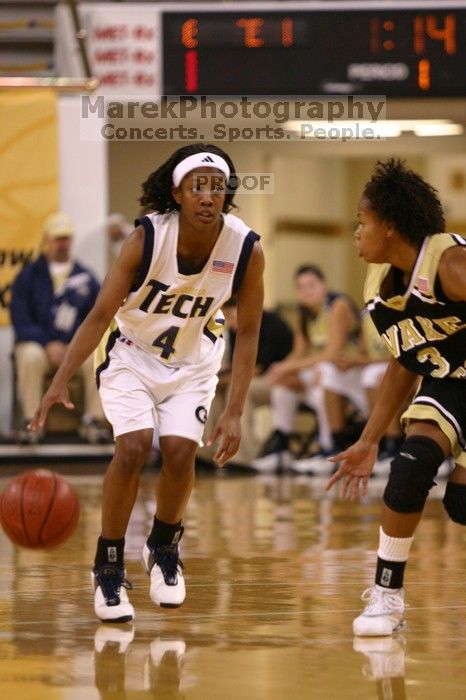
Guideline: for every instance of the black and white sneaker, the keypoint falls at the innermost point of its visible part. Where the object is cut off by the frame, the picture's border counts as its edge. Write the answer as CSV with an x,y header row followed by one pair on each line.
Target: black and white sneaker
x,y
165,569
94,432
25,437
111,602
274,455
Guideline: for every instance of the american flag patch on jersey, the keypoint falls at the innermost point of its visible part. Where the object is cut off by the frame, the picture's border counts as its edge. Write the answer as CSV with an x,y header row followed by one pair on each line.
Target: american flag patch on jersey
x,y
222,266
423,284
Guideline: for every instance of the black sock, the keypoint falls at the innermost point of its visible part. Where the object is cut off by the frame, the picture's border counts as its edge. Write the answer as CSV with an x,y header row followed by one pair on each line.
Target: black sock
x,y
110,552
389,574
164,533
280,439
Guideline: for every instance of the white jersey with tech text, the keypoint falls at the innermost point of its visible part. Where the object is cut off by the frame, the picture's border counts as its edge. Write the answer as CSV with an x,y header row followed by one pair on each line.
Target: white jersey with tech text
x,y
178,316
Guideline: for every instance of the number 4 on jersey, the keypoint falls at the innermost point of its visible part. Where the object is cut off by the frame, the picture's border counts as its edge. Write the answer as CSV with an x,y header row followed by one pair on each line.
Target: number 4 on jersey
x,y
166,341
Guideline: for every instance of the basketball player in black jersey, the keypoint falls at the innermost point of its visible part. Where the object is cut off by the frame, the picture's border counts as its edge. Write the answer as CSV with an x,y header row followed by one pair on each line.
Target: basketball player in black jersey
x,y
415,292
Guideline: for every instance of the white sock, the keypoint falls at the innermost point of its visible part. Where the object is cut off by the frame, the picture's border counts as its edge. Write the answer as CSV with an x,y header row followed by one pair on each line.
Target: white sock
x,y
284,404
393,548
315,397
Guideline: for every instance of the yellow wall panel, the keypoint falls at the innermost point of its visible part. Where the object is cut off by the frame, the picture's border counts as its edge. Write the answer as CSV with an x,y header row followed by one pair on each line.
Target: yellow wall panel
x,y
28,179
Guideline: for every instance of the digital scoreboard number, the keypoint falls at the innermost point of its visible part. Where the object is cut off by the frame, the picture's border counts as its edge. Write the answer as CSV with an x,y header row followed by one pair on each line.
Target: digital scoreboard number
x,y
398,53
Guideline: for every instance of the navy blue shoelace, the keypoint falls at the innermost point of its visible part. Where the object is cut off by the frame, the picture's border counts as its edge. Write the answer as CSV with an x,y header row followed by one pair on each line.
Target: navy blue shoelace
x,y
111,579
167,558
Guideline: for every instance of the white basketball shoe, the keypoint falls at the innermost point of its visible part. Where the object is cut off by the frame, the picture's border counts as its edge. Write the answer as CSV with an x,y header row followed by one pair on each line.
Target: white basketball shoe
x,y
165,569
111,603
384,613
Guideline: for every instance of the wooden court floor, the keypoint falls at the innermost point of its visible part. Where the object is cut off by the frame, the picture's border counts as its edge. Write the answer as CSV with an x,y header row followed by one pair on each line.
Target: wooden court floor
x,y
274,570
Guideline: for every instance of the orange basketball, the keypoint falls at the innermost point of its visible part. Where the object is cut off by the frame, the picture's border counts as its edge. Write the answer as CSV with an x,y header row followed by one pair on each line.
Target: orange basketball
x,y
39,509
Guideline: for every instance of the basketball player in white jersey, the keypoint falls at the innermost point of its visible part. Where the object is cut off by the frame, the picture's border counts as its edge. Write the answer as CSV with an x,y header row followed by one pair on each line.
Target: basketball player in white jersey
x,y
158,320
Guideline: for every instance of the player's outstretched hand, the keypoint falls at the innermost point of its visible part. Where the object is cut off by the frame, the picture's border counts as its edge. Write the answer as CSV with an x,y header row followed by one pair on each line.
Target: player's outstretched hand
x,y
228,428
355,468
52,396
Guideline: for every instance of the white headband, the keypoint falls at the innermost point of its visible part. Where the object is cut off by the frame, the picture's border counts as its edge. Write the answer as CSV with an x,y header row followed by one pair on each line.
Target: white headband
x,y
199,160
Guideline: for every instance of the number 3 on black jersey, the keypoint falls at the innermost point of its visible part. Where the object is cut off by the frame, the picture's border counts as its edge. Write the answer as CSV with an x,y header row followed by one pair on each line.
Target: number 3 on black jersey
x,y
166,341
441,365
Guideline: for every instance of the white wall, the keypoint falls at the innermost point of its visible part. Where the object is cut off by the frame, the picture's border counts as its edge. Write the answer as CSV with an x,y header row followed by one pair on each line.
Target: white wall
x,y
311,190
83,186
447,172
308,188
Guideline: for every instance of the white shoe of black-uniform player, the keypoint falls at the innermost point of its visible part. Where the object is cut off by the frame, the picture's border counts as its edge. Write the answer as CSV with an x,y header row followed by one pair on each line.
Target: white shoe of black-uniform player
x,y
111,603
384,613
165,569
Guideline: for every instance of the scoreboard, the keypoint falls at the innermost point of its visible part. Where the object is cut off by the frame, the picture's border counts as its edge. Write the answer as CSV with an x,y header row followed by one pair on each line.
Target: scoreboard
x,y
414,50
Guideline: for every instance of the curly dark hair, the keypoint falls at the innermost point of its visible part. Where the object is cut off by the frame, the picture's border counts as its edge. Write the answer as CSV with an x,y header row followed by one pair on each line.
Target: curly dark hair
x,y
156,190
401,197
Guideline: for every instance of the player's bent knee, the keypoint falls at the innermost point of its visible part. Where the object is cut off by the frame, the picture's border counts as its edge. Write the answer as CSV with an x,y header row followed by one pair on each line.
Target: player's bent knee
x,y
454,502
132,449
178,454
412,474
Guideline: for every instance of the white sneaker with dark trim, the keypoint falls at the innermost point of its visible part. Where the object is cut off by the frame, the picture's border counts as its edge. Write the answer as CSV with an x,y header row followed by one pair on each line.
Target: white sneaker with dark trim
x,y
275,454
384,613
111,603
94,432
165,569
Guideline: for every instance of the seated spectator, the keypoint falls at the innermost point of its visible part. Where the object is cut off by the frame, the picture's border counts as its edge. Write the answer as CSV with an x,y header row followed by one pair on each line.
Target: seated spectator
x,y
50,298
275,343
371,359
326,323
373,370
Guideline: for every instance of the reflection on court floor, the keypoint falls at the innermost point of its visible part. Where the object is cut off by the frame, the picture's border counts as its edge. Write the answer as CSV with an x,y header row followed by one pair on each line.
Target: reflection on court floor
x,y
274,569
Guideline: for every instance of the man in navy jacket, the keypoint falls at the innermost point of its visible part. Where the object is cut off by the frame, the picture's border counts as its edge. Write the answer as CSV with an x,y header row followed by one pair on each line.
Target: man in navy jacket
x,y
50,299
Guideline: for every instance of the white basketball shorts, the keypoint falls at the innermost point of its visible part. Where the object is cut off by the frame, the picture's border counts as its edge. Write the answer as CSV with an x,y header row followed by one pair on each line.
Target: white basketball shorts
x,y
372,375
140,391
344,382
